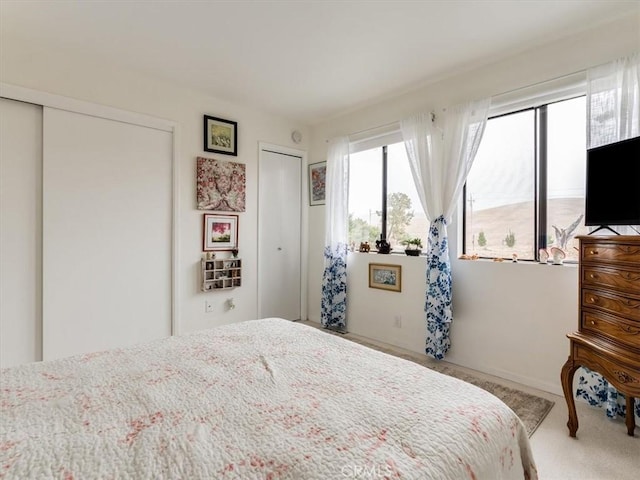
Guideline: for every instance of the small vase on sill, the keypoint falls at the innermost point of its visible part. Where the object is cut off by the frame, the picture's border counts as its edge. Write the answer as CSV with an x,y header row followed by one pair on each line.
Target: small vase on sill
x,y
383,246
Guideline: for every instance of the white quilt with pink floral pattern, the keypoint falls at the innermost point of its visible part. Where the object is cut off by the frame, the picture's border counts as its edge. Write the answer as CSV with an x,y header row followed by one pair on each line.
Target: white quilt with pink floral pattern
x,y
263,399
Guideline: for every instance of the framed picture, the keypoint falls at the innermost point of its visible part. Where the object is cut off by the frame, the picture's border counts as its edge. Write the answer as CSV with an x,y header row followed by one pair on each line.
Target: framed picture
x,y
221,185
220,232
385,276
317,183
220,136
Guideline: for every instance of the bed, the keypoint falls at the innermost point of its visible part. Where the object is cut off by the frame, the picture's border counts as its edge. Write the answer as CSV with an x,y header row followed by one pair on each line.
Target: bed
x,y
261,399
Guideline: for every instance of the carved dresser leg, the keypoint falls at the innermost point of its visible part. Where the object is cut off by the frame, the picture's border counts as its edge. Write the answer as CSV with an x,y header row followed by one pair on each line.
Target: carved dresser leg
x,y
630,418
566,377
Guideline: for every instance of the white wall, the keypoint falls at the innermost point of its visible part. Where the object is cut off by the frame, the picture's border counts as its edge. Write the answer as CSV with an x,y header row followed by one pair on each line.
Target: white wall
x,y
86,78
509,319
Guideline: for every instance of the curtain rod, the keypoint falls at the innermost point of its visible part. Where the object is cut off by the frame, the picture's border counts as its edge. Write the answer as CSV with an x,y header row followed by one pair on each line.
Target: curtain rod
x,y
360,132
542,82
390,124
560,77
352,134
397,122
496,96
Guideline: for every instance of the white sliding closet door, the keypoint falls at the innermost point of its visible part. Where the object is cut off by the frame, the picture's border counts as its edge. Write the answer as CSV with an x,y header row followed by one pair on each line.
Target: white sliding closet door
x,y
107,233
20,229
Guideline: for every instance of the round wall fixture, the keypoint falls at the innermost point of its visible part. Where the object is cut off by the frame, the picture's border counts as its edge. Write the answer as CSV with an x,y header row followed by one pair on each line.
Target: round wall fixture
x,y
296,136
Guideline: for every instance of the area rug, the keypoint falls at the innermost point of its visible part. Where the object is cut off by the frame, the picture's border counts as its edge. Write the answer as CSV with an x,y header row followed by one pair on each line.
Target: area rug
x,y
531,409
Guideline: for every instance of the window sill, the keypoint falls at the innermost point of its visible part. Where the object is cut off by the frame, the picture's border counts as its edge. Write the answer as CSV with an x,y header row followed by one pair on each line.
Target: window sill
x,y
521,262
391,254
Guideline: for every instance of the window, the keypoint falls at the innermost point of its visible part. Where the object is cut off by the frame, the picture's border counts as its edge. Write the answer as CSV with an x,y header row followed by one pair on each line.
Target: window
x,y
525,190
383,199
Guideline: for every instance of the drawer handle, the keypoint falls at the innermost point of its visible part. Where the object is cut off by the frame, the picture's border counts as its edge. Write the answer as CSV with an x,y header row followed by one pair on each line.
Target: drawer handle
x,y
593,275
593,252
631,330
592,300
624,377
593,322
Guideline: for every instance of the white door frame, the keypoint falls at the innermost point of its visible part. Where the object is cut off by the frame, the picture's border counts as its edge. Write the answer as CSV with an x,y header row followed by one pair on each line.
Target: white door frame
x,y
14,92
304,215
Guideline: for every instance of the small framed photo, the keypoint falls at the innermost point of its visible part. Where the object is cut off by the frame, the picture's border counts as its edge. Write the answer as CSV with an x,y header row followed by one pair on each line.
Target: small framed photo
x,y
317,183
220,232
220,136
385,276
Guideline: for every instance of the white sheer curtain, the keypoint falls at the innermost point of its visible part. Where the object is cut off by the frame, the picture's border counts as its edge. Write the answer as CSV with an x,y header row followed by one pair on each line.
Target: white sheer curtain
x,y
440,161
613,114
613,101
334,280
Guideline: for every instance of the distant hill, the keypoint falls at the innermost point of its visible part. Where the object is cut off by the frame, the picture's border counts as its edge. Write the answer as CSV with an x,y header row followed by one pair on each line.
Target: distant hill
x,y
519,218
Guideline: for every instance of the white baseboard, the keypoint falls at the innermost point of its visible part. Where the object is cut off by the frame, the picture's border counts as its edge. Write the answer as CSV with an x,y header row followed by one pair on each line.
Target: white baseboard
x,y
554,388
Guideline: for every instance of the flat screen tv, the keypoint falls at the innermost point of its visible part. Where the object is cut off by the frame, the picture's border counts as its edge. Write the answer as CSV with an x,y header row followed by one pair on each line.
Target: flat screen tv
x,y
613,184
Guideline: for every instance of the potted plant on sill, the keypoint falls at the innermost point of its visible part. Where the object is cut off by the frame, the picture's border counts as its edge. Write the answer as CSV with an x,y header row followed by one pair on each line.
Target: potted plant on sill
x,y
414,247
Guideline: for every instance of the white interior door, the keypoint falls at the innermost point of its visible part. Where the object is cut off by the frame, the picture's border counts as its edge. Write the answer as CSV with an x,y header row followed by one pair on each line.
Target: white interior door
x,y
107,233
20,232
279,279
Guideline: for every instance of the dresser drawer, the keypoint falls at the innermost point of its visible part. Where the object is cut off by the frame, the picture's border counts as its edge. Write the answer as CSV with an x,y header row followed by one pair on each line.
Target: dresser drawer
x,y
611,303
620,278
607,252
618,329
623,376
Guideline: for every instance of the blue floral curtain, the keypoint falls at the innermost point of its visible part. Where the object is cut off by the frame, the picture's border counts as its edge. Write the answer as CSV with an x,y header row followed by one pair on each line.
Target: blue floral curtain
x,y
333,312
594,389
613,114
440,161
438,303
334,288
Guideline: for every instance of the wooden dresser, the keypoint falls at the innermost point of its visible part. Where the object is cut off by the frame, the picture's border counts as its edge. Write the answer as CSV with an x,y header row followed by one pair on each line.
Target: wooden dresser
x,y
608,336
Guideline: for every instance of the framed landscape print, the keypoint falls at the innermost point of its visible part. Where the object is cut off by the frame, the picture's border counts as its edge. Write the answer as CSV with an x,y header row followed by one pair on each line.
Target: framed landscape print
x,y
317,183
220,136
385,276
220,232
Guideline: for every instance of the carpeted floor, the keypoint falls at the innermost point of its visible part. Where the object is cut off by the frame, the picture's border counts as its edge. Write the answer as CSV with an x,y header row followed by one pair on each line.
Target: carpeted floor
x,y
531,409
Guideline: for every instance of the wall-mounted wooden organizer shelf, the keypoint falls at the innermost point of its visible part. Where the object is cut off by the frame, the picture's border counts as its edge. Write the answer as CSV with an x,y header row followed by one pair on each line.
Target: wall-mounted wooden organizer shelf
x,y
221,274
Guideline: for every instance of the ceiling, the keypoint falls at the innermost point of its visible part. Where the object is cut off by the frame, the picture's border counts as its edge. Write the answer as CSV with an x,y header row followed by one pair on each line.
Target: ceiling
x,y
304,60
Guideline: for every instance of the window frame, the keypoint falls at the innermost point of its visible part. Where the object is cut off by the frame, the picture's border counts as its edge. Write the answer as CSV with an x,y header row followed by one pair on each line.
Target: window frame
x,y
540,159
383,215
383,148
383,208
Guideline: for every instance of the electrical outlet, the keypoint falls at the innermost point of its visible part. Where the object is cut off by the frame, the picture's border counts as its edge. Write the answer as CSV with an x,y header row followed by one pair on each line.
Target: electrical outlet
x,y
208,306
397,321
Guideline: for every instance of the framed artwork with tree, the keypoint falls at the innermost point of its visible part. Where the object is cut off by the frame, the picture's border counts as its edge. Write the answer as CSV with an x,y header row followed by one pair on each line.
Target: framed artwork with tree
x,y
220,232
